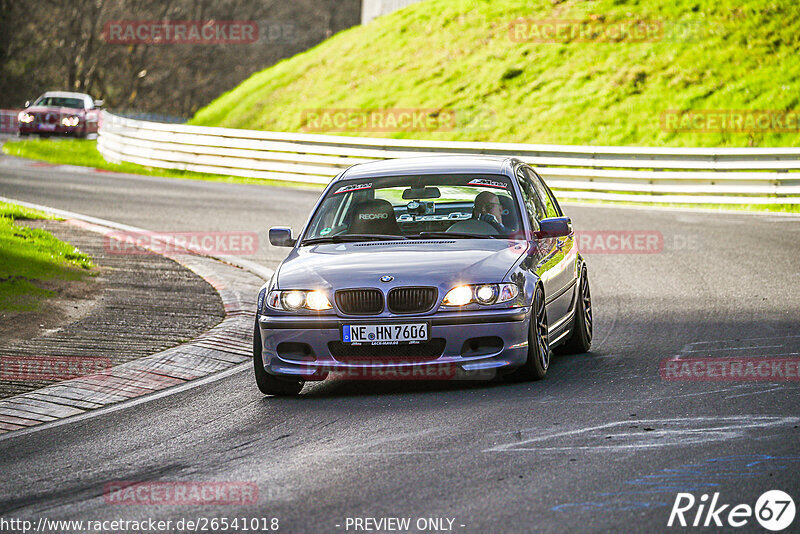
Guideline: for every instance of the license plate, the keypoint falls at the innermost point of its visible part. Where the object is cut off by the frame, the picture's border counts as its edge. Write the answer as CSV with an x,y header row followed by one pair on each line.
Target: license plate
x,y
384,334
47,126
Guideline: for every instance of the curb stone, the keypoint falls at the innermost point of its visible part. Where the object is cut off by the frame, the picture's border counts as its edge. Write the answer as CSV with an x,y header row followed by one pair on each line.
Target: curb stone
x,y
224,346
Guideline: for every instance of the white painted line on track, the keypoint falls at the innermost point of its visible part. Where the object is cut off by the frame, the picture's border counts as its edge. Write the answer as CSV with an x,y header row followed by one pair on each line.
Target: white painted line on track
x,y
620,436
759,392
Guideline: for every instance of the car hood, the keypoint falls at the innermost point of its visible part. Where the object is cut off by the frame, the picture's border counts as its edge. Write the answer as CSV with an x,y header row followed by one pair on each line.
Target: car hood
x,y
410,263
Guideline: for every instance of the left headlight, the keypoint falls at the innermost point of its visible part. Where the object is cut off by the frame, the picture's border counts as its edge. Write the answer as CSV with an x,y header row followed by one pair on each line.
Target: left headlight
x,y
25,117
71,121
485,294
294,300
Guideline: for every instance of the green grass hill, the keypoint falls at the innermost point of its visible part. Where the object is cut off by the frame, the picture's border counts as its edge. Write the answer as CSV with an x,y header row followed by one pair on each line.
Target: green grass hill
x,y
618,79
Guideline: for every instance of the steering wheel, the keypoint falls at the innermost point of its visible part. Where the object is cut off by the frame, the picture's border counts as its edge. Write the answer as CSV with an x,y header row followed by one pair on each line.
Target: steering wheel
x,y
492,220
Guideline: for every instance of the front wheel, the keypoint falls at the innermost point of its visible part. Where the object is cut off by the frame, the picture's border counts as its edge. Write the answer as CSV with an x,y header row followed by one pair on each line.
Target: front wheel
x,y
269,384
535,367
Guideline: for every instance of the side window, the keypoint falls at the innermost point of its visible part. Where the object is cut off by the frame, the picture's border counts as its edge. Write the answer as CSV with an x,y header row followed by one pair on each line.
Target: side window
x,y
551,209
532,205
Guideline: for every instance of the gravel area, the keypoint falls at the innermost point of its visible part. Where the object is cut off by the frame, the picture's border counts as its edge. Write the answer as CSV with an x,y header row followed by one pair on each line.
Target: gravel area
x,y
145,303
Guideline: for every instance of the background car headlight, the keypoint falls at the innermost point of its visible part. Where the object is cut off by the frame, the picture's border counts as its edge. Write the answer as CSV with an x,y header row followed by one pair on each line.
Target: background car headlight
x,y
25,117
294,300
485,294
70,121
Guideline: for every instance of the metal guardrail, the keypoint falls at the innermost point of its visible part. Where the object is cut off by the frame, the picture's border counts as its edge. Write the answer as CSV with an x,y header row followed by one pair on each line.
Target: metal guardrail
x,y
149,116
686,175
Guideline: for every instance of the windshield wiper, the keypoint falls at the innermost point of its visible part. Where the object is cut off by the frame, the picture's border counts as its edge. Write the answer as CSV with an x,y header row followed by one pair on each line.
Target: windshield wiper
x,y
348,238
455,235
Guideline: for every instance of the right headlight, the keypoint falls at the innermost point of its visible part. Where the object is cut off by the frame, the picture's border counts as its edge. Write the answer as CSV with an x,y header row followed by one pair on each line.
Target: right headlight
x,y
294,300
71,121
25,117
484,294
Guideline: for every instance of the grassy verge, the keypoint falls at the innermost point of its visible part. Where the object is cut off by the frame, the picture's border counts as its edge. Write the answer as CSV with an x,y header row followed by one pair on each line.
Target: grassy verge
x,y
17,212
84,153
30,258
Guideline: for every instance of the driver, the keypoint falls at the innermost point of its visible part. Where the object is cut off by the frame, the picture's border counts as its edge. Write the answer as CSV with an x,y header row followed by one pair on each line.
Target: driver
x,y
487,208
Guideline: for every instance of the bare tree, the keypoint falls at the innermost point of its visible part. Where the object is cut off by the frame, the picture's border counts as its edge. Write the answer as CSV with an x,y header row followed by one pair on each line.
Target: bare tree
x,y
60,44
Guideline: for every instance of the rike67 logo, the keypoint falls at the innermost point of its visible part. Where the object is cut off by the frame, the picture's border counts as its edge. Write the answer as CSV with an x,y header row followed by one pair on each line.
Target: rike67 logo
x,y
774,510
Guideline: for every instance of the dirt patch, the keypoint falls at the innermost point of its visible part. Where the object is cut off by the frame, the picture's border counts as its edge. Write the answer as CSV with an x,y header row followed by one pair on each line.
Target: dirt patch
x,y
74,300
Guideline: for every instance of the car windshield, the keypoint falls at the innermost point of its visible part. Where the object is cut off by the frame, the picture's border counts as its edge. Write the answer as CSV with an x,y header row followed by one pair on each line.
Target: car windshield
x,y
60,101
409,207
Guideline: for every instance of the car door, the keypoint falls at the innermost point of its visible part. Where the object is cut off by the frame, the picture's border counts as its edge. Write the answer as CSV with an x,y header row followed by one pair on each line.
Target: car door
x,y
543,251
561,257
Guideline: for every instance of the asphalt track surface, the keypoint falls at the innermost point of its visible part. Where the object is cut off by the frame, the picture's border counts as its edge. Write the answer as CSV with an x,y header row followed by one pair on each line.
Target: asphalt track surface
x,y
604,443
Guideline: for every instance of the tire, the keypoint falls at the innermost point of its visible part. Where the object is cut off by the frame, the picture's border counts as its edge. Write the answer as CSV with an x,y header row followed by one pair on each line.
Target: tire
x,y
269,384
580,340
535,367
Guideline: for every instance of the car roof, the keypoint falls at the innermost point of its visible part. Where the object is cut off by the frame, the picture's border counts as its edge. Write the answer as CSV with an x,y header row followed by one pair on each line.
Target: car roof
x,y
466,164
66,94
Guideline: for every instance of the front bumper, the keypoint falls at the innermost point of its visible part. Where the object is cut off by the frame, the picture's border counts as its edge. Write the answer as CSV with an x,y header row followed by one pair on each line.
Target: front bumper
x,y
58,129
461,356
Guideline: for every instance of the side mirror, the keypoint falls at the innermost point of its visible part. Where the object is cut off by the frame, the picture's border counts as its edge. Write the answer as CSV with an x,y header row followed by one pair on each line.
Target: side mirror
x,y
554,227
27,103
98,103
281,236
